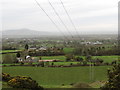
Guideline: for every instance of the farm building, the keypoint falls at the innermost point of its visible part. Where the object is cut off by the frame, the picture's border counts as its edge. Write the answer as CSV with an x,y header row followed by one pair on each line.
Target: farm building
x,y
42,49
27,59
32,49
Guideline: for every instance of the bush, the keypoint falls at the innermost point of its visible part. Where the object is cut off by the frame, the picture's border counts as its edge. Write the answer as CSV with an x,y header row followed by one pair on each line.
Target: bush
x,y
113,79
84,63
106,63
52,64
23,82
6,77
22,63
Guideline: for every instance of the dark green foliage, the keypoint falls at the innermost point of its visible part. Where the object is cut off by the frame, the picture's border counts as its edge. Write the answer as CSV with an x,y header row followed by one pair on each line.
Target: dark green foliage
x,y
88,58
26,47
84,63
70,57
52,64
96,50
18,55
40,58
80,59
71,64
114,62
99,60
113,78
22,63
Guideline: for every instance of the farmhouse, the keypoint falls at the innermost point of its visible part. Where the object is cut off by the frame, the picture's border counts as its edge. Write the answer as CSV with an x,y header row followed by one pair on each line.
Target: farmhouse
x,y
27,59
31,49
97,43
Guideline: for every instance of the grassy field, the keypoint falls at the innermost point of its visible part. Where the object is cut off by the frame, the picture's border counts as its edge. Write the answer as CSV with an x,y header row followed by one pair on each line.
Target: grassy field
x,y
68,50
7,51
105,58
54,57
108,59
55,77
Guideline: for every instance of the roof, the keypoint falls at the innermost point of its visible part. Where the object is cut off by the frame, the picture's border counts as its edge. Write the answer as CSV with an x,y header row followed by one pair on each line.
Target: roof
x,y
27,57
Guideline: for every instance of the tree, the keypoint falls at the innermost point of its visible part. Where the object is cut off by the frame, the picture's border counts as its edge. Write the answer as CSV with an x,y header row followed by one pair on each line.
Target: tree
x,y
18,55
113,78
80,59
88,58
69,57
26,47
78,51
84,63
40,58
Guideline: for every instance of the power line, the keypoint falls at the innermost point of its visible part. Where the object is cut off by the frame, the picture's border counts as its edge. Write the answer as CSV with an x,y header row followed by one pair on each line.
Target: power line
x,y
49,18
60,18
69,17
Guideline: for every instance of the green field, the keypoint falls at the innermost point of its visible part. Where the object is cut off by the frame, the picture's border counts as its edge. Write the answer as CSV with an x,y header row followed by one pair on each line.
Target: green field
x,y
55,77
54,57
108,59
8,51
105,58
68,50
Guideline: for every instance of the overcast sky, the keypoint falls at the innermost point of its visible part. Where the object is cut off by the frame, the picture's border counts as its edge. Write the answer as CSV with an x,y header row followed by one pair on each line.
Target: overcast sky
x,y
89,16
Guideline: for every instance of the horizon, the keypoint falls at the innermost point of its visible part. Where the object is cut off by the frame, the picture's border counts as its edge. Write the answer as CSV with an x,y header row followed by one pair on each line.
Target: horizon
x,y
74,34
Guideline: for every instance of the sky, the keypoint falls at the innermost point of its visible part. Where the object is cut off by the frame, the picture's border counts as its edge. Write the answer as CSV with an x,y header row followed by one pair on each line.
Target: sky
x,y
88,16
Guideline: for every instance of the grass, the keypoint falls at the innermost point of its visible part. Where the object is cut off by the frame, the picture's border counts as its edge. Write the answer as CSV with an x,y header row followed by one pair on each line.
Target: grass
x,y
7,51
105,58
108,59
54,57
55,77
63,63
68,50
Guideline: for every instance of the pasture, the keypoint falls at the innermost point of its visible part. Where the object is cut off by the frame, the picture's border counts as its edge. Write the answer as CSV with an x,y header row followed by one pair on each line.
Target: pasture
x,y
9,60
8,51
105,58
55,77
68,50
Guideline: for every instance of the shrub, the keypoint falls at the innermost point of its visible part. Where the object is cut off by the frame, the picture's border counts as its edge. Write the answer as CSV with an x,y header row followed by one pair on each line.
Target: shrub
x,y
113,79
71,64
22,63
41,64
84,63
52,64
114,62
106,63
23,82
6,77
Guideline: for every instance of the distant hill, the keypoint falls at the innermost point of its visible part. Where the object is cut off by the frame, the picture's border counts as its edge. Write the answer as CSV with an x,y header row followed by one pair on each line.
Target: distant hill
x,y
24,33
